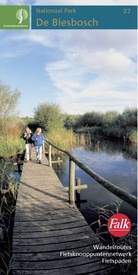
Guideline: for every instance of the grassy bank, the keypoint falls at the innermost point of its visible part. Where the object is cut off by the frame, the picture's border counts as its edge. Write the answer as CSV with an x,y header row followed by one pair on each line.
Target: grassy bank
x,y
127,135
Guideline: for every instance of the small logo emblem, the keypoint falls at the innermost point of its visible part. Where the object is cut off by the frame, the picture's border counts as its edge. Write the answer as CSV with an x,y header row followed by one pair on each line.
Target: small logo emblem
x,y
119,225
21,15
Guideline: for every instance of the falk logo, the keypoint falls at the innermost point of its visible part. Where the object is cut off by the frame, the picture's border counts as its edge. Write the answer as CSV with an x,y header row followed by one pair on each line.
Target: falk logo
x,y
21,15
119,225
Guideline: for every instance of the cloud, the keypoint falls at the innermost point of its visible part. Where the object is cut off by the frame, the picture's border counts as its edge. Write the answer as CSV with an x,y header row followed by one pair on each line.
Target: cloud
x,y
68,2
77,41
10,47
85,54
108,61
122,40
98,86
92,75
19,2
12,2
3,2
96,97
34,37
86,2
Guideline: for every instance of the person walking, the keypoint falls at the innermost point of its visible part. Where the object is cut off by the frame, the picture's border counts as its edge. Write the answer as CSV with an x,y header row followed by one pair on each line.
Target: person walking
x,y
38,138
28,143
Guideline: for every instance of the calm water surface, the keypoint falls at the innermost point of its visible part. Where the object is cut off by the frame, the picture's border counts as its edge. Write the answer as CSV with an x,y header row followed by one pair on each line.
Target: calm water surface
x,y
113,161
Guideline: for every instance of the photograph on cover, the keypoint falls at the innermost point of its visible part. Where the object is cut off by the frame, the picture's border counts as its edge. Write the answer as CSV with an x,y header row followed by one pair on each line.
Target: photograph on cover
x,y
68,145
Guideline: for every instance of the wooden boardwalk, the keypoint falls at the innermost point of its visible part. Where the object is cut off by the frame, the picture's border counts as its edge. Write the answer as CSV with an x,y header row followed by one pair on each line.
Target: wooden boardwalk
x,y
47,232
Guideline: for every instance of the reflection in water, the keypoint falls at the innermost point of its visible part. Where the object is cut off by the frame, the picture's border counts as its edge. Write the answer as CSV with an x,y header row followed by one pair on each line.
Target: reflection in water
x,y
115,146
115,162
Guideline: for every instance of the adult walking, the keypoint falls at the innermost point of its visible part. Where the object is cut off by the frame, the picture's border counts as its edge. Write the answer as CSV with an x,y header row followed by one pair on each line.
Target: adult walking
x,y
38,138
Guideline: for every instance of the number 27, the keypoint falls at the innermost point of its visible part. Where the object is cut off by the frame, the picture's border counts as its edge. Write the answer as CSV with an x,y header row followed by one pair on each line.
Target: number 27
x,y
126,11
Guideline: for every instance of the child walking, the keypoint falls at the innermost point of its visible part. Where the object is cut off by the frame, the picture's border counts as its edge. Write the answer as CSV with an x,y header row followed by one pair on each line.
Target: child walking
x,y
28,143
38,142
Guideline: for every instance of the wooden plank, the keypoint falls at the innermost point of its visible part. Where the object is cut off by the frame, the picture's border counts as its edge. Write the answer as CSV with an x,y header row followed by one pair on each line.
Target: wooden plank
x,y
51,215
49,225
39,245
47,221
45,225
62,263
80,187
43,244
57,255
69,271
63,234
56,161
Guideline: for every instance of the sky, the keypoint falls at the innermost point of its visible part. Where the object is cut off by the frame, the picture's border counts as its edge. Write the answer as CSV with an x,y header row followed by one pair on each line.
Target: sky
x,y
80,70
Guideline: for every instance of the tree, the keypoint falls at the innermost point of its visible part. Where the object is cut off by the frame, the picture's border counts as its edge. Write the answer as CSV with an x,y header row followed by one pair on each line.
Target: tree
x,y
110,118
8,103
71,121
49,116
91,119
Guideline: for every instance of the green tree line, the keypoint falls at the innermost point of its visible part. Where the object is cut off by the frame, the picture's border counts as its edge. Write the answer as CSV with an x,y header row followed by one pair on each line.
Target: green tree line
x,y
110,124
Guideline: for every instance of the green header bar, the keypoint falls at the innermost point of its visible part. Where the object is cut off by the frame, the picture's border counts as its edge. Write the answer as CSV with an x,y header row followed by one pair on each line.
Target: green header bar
x,y
84,17
14,17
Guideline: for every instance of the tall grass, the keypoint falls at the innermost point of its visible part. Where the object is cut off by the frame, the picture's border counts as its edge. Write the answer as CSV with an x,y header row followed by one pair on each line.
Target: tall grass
x,y
62,138
10,145
8,194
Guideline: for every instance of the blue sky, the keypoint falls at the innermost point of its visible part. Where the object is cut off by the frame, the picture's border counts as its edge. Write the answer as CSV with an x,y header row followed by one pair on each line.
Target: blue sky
x,y
81,70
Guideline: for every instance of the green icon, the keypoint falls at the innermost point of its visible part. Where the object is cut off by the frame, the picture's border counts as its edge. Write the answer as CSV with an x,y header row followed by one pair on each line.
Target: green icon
x,y
21,15
14,17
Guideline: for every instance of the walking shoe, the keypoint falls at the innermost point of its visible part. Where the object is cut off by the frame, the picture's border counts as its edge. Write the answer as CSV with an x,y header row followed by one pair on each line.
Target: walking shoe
x,y
39,161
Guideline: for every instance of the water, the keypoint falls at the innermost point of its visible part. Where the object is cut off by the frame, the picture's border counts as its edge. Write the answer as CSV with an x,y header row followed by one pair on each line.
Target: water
x,y
115,162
